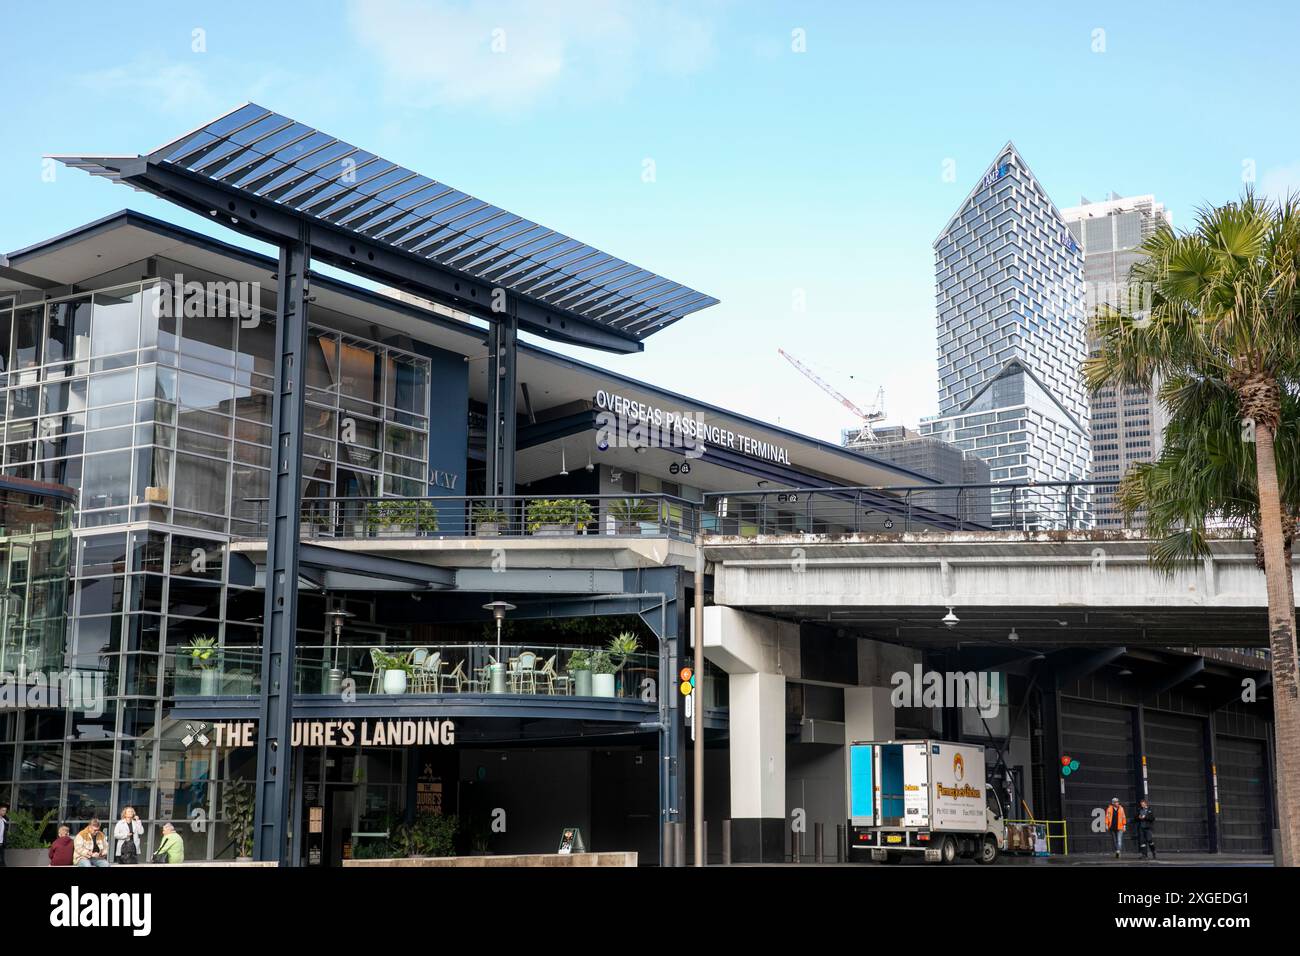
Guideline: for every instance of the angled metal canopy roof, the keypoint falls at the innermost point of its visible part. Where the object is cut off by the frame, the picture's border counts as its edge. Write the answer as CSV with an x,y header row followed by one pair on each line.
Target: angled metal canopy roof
x,y
269,176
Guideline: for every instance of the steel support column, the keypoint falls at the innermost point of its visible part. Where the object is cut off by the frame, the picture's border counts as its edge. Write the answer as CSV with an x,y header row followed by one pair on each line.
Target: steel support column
x,y
502,394
280,611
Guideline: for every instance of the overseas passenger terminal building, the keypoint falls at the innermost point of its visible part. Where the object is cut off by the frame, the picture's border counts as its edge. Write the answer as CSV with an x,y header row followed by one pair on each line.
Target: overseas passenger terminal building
x,y
449,571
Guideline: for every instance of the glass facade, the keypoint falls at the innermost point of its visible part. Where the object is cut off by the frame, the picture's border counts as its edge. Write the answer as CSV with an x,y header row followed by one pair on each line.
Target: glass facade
x,y
1011,332
160,418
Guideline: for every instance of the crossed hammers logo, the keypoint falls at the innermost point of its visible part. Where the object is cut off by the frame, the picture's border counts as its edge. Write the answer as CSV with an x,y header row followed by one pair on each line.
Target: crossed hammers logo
x,y
193,733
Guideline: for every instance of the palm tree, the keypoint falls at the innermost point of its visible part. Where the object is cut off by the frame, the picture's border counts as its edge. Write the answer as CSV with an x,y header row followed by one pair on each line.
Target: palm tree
x,y
1206,473
1220,307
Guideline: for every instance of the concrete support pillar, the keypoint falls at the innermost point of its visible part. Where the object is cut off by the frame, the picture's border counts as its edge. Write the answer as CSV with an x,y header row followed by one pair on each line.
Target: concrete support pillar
x,y
757,767
757,653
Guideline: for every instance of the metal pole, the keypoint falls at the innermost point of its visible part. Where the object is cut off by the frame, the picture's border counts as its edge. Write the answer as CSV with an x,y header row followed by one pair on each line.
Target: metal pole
x,y
726,842
819,843
668,843
679,843
280,608
841,837
698,693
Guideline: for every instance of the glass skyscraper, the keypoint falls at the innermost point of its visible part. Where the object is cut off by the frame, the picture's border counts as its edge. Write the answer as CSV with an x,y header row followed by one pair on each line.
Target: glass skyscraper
x,y
1011,339
1126,422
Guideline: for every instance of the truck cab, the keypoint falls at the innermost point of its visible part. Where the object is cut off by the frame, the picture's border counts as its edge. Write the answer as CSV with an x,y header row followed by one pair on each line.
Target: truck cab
x,y
927,798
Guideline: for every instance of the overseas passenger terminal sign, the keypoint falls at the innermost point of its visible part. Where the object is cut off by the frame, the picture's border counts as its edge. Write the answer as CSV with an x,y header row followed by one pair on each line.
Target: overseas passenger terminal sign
x,y
330,733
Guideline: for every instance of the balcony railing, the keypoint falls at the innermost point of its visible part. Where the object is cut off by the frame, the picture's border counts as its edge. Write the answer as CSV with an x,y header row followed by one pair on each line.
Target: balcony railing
x,y
488,517
1054,506
547,670
901,509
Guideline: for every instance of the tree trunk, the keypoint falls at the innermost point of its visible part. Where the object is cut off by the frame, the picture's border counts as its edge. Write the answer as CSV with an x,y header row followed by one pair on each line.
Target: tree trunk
x,y
1282,644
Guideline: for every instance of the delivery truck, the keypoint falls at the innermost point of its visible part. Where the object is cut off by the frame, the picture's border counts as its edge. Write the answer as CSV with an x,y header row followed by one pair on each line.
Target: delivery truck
x,y
926,798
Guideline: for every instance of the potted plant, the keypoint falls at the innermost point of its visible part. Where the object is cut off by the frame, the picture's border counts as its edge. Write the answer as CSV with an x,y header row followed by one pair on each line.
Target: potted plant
x,y
579,668
622,646
402,515
634,515
396,670
238,803
556,516
603,669
488,520
204,652
25,843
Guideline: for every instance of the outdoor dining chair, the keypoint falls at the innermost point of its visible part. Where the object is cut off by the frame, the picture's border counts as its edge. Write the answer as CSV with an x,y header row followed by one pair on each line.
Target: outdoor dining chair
x,y
546,677
523,673
425,673
376,670
455,678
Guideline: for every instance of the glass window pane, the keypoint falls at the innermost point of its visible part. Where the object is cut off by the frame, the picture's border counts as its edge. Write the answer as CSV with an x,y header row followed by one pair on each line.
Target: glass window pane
x,y
115,323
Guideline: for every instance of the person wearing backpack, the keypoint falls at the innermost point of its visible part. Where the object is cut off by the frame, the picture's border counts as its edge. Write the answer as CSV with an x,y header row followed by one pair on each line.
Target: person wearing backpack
x,y
126,837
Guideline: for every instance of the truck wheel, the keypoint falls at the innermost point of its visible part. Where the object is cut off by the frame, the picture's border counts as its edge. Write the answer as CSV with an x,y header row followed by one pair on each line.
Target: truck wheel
x,y
988,850
948,851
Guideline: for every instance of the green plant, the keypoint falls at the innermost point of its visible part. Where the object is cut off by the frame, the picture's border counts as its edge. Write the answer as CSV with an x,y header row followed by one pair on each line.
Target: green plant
x,y
392,662
579,660
430,835
203,652
26,832
488,514
634,510
237,802
602,663
402,513
621,647
569,512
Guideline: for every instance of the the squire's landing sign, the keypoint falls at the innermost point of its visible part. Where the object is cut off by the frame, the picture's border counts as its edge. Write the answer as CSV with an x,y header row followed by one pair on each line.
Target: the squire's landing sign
x,y
343,733
75,909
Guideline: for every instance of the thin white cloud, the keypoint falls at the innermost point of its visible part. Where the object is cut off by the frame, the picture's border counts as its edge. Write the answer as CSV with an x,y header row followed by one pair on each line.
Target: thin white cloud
x,y
169,87
511,54
1278,182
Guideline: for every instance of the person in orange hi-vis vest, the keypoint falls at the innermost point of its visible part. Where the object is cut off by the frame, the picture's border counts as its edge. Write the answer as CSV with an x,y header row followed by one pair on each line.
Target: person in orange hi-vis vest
x,y
1116,823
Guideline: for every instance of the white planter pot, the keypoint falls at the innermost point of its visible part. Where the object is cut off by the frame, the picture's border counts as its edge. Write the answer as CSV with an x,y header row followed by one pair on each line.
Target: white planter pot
x,y
394,682
602,685
210,683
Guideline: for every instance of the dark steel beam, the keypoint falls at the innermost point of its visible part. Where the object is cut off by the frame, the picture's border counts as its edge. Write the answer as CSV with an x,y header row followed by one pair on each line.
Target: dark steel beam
x,y
503,347
1168,681
275,223
280,611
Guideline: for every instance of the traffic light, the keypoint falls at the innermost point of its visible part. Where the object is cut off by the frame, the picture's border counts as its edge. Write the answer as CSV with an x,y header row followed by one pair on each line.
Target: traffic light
x,y
1068,765
687,677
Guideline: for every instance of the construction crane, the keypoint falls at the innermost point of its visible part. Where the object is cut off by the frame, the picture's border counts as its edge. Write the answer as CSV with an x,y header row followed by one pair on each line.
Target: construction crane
x,y
865,436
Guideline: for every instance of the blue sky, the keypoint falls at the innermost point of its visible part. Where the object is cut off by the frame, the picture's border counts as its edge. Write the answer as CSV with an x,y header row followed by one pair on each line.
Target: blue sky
x,y
779,174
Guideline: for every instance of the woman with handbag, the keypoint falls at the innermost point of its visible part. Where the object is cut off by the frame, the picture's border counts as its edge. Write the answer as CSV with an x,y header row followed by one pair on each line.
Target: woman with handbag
x,y
126,836
170,848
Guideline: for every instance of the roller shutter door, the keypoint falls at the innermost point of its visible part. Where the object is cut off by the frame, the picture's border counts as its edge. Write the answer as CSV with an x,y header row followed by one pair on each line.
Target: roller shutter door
x,y
1100,737
1244,820
1176,769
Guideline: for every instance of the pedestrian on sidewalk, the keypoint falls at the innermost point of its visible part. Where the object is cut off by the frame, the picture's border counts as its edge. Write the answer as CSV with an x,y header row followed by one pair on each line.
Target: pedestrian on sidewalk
x,y
1116,823
1146,819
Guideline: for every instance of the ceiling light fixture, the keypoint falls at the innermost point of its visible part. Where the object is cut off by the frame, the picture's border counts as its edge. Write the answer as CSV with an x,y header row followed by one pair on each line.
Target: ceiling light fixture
x,y
1013,636
950,619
